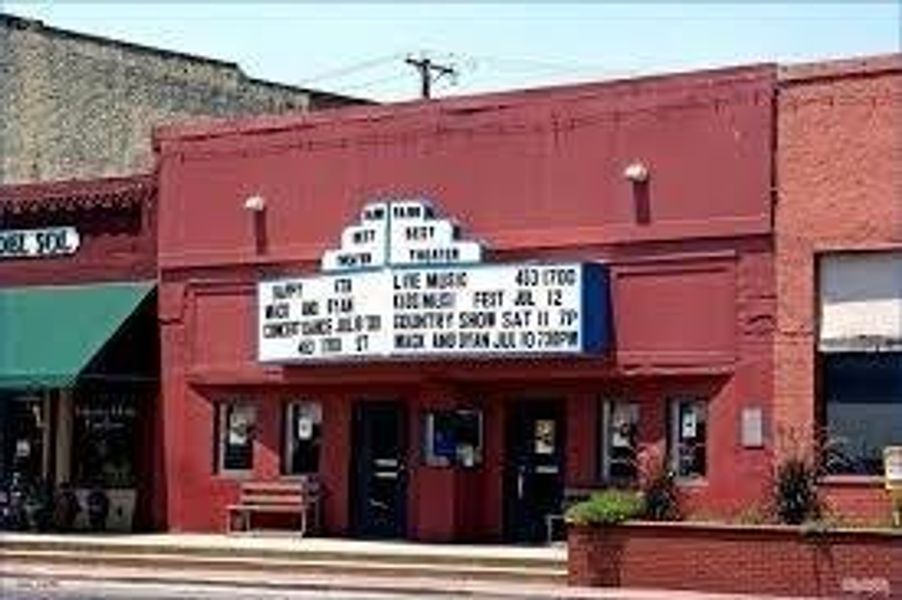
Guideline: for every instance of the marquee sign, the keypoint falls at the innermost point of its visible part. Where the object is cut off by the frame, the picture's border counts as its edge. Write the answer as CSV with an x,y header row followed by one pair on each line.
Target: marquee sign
x,y
38,243
403,285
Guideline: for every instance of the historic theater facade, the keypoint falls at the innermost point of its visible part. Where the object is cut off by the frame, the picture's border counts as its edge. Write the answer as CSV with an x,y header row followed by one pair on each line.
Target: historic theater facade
x,y
452,314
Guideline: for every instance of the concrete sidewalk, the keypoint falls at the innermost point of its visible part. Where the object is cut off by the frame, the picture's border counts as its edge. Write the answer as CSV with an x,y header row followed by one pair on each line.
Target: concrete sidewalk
x,y
291,544
413,587
292,563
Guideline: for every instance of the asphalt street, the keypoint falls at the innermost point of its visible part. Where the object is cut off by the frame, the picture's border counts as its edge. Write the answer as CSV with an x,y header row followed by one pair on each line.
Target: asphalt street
x,y
60,589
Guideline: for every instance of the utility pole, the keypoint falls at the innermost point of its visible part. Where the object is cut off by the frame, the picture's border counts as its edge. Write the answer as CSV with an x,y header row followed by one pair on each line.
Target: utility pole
x,y
429,72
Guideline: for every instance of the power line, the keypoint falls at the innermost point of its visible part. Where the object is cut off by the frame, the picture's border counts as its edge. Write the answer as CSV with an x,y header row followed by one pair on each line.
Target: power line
x,y
372,82
352,68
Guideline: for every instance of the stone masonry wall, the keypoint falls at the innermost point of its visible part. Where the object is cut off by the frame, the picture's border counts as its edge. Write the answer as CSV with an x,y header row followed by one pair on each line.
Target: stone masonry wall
x,y
74,106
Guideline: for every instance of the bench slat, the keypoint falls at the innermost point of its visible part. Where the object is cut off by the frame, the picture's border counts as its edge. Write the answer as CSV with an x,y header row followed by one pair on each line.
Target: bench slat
x,y
263,508
257,499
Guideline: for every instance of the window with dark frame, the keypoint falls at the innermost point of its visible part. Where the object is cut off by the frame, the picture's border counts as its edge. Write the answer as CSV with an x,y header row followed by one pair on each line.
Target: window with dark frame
x,y
452,438
688,438
236,427
619,441
302,438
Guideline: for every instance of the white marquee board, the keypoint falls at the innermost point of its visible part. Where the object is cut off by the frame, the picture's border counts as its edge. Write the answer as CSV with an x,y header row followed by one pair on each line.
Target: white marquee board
x,y
403,285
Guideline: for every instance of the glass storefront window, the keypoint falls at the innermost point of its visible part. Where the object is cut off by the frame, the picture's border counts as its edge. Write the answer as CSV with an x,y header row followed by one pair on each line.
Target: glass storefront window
x,y
862,396
23,422
688,438
235,436
303,438
619,441
453,438
104,441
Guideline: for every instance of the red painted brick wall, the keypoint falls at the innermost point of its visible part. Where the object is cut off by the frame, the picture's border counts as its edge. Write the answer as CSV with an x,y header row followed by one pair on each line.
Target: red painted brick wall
x,y
839,180
754,560
535,175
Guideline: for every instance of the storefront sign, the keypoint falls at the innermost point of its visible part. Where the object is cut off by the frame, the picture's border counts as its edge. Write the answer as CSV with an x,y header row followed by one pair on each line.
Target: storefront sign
x,y
403,285
38,243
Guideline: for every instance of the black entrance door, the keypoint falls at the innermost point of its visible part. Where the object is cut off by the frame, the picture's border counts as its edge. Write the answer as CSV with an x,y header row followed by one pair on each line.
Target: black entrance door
x,y
379,481
534,469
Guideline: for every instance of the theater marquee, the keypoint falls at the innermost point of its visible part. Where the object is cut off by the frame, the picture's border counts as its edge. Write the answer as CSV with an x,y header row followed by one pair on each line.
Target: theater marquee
x,y
403,285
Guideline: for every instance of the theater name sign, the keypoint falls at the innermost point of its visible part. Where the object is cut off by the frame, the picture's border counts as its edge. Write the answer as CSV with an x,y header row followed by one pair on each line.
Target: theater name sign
x,y
403,285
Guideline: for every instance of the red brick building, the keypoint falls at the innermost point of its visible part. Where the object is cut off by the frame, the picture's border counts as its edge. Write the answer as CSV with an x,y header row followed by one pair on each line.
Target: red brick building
x,y
666,182
839,267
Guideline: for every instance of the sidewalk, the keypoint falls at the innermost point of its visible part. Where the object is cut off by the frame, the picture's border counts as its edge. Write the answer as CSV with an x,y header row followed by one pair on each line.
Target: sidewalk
x,y
283,562
414,587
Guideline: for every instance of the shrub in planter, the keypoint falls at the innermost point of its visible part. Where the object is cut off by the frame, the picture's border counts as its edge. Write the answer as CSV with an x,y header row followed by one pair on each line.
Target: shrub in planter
x,y
661,500
606,508
796,498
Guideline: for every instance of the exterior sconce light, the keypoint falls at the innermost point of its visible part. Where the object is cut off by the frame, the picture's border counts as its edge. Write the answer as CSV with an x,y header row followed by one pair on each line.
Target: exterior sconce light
x,y
256,204
636,172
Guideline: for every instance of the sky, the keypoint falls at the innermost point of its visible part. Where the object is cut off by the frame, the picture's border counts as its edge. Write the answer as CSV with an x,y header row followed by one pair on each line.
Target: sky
x,y
359,48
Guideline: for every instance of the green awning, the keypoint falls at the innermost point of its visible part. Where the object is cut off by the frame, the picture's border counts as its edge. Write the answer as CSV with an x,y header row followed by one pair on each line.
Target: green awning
x,y
48,335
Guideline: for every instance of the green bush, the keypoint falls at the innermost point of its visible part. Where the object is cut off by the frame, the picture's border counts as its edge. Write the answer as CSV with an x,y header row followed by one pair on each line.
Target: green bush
x,y
606,508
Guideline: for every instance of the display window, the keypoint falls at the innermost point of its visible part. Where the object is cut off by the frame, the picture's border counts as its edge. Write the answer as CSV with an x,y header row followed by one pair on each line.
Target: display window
x,y
237,422
104,441
302,438
453,438
688,438
619,441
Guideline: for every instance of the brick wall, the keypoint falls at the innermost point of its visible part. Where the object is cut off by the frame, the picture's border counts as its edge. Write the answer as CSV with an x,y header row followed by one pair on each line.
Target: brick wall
x,y
754,560
74,106
839,180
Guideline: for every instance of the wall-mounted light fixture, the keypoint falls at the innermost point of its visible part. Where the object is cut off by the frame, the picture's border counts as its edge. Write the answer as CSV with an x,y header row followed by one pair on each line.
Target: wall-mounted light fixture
x,y
636,172
255,203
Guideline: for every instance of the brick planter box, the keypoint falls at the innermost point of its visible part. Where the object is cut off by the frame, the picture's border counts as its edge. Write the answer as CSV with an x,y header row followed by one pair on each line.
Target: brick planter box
x,y
738,559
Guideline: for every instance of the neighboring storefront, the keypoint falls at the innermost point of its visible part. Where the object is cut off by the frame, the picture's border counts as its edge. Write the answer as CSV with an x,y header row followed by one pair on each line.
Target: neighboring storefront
x,y
454,313
839,270
79,351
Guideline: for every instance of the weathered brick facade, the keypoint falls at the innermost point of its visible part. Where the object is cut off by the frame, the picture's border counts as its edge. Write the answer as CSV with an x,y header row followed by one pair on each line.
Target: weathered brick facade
x,y
839,179
75,106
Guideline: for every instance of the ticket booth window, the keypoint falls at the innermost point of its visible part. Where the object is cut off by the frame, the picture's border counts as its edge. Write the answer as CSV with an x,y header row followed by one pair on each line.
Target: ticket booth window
x,y
303,438
453,438
688,438
236,425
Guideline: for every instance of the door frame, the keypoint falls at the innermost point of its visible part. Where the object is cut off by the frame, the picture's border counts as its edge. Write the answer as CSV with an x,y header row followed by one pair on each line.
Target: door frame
x,y
518,410
357,470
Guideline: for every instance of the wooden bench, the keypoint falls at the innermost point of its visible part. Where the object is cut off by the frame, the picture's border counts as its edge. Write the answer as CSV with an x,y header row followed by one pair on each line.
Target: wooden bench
x,y
276,497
